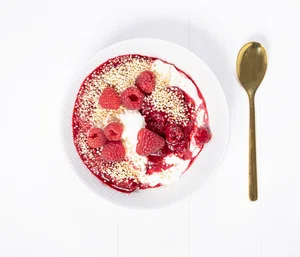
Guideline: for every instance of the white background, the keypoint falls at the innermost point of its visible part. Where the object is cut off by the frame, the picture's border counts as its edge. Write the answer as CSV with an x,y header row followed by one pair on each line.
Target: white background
x,y
46,210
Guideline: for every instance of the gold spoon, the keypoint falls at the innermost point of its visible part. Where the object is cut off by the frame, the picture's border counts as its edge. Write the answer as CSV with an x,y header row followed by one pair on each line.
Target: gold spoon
x,y
251,66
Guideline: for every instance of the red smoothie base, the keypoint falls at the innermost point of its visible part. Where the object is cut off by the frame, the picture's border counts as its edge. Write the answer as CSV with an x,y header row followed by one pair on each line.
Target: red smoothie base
x,y
129,83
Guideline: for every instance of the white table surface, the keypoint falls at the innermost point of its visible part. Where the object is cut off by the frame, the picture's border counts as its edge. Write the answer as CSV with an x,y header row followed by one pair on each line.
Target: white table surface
x,y
46,210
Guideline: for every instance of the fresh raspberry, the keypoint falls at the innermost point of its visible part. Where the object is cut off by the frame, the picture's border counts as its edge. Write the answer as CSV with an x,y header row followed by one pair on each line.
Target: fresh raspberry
x,y
174,133
202,136
113,152
148,142
146,81
96,138
132,98
110,99
113,131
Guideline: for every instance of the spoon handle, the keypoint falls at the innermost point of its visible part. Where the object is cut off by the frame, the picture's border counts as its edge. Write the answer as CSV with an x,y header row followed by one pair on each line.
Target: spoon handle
x,y
253,195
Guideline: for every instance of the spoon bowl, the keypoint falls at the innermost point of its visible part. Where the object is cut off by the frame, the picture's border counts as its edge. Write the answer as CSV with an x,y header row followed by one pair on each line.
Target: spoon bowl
x,y
251,66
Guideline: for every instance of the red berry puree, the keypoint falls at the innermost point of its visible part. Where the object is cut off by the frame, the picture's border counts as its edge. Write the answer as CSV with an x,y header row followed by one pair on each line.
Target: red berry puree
x,y
170,123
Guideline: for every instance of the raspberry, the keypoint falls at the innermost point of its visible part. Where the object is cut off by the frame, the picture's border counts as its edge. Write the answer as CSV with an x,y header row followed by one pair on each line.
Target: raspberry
x,y
110,99
132,98
174,133
113,152
113,131
96,138
202,136
148,142
146,81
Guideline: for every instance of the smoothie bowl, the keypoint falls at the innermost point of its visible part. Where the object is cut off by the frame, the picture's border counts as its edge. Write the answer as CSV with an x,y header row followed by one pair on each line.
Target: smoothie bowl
x,y
149,124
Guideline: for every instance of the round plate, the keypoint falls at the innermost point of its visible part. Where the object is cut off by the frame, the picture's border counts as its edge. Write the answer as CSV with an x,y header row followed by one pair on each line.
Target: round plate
x,y
211,156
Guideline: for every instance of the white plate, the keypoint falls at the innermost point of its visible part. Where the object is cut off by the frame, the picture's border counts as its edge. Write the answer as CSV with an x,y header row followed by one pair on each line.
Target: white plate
x,y
211,156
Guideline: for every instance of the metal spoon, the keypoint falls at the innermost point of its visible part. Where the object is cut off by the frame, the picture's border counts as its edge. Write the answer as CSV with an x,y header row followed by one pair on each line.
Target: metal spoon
x,y
251,66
